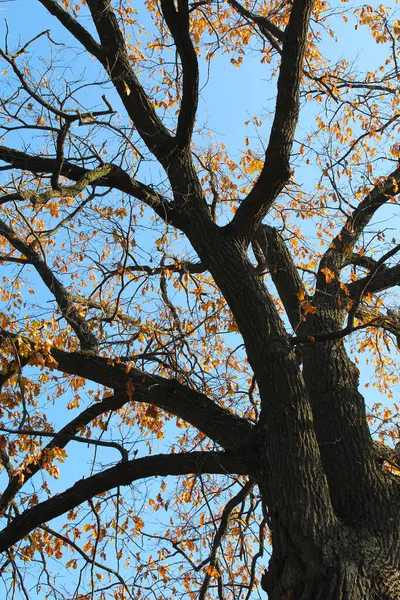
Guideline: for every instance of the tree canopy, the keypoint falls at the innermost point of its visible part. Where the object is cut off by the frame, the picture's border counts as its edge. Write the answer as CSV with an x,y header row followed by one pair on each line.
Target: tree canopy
x,y
186,309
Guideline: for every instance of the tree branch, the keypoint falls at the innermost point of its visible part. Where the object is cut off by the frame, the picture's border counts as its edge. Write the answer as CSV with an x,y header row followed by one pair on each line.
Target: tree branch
x,y
114,58
86,557
357,295
60,440
341,248
221,531
86,337
122,474
194,407
266,27
117,179
178,24
74,27
68,191
276,170
383,280
282,270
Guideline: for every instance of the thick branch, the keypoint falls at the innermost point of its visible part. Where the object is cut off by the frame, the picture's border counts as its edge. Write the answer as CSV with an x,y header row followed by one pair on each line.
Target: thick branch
x,y
178,24
357,295
263,22
266,27
71,25
192,406
113,56
115,59
384,279
282,269
218,423
68,191
121,474
276,170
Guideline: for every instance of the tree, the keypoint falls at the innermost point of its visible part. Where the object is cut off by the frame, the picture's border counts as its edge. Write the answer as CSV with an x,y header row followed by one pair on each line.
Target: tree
x,y
176,296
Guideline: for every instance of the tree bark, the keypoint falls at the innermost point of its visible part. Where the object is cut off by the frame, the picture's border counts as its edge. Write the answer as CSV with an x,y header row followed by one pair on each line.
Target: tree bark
x,y
352,564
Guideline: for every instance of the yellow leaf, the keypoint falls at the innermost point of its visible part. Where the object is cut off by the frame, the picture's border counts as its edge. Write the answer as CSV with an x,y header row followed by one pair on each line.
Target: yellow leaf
x,y
329,274
308,308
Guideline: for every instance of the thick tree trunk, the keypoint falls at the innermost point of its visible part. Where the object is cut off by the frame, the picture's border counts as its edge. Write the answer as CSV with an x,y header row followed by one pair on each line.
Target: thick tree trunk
x,y
349,566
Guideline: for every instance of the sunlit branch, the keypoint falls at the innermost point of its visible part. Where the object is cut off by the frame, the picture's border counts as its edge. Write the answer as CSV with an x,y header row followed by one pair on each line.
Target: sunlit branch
x,y
117,179
120,475
69,191
14,259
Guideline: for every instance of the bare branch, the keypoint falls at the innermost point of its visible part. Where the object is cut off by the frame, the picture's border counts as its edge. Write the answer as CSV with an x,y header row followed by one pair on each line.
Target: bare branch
x,y
69,118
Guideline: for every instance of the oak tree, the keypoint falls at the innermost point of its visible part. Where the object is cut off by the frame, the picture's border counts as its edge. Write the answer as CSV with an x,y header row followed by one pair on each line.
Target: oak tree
x,y
183,320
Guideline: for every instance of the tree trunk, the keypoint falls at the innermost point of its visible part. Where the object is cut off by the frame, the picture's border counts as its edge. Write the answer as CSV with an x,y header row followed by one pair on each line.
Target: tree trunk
x,y
349,566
